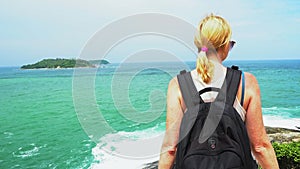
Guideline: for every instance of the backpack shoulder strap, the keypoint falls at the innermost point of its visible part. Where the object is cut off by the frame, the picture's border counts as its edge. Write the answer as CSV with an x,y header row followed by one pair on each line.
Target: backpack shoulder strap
x,y
233,82
243,88
230,86
243,83
188,89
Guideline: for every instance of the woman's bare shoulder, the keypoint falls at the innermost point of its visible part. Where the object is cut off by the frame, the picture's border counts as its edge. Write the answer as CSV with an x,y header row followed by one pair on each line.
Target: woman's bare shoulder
x,y
174,93
252,91
251,83
173,87
251,77
173,82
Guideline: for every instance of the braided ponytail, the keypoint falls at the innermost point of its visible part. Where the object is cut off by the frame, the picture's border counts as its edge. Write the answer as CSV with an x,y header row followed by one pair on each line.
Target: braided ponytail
x,y
212,33
204,67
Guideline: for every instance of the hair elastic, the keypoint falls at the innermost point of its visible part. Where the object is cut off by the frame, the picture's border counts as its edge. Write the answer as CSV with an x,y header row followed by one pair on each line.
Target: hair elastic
x,y
204,49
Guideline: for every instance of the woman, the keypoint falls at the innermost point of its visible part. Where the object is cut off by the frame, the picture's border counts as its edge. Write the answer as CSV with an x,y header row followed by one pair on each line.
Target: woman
x,y
213,43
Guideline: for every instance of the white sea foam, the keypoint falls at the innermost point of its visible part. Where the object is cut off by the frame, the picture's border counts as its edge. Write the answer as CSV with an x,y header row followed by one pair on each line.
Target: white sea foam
x,y
28,151
128,149
8,134
279,121
282,117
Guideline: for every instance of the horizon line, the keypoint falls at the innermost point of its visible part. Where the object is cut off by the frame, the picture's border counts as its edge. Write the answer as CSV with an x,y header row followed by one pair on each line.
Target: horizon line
x,y
243,60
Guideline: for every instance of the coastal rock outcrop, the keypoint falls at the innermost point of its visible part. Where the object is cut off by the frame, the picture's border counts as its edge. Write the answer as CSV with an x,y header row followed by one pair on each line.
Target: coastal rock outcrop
x,y
282,135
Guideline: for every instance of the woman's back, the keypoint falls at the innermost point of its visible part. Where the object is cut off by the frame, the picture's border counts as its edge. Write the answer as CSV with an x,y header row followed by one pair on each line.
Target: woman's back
x,y
213,40
217,81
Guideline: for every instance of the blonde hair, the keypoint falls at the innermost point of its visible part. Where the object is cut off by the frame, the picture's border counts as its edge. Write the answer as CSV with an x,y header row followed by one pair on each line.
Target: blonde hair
x,y
213,33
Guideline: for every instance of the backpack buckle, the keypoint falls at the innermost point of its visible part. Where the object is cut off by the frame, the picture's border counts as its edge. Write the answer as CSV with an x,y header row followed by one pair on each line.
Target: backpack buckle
x,y
212,143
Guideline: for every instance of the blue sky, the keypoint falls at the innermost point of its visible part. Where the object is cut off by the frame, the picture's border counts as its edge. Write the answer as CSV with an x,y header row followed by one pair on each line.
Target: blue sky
x,y
32,29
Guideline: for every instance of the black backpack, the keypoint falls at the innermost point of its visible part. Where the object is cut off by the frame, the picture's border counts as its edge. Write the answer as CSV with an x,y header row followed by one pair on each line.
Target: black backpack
x,y
212,134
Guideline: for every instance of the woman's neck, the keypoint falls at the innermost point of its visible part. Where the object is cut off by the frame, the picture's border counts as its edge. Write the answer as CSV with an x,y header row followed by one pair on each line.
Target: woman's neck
x,y
215,58
219,70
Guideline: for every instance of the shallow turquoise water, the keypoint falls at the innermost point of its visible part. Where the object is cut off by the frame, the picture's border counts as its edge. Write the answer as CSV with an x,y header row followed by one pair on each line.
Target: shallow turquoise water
x,y
40,128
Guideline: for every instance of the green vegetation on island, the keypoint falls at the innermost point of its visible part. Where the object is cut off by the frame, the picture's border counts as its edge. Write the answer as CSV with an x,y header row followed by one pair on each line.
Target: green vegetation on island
x,y
64,63
98,62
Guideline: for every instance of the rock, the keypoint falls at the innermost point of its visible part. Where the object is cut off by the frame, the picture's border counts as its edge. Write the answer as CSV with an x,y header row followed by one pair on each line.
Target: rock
x,y
282,135
153,165
272,130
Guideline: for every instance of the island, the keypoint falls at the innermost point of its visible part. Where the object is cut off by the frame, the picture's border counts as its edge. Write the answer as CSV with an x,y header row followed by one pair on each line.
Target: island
x,y
64,63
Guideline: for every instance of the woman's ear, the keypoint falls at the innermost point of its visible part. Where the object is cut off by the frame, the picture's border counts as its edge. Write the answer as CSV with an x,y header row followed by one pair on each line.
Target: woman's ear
x,y
223,51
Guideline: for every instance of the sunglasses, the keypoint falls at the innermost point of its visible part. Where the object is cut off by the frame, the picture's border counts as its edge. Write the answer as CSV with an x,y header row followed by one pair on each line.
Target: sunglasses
x,y
231,44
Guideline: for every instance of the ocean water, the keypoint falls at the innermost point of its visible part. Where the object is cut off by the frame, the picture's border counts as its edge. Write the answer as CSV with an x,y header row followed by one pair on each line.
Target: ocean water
x,y
40,126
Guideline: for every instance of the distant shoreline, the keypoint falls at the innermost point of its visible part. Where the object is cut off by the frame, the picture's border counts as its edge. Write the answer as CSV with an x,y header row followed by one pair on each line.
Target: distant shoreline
x,y
61,63
62,68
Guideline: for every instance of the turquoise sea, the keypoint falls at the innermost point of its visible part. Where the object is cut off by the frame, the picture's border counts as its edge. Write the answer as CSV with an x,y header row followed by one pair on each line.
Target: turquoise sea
x,y
39,127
